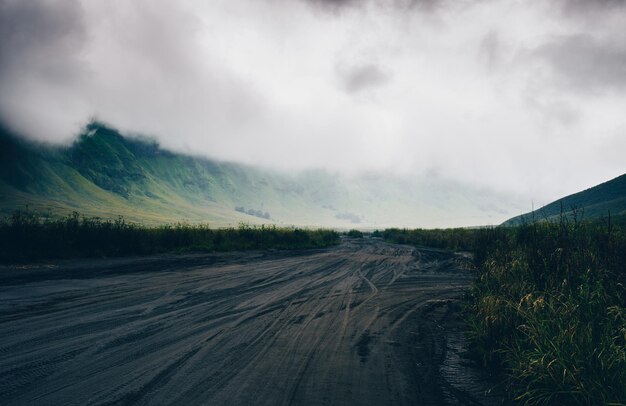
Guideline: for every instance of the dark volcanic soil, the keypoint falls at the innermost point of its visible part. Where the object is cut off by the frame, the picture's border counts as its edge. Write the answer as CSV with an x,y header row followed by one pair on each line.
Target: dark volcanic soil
x,y
365,323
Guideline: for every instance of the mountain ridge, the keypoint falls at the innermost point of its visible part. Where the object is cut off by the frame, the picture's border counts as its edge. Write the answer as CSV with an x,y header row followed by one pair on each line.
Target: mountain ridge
x,y
602,200
106,174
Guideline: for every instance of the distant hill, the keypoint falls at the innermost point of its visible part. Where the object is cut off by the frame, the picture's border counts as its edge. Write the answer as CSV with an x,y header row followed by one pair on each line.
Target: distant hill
x,y
593,203
106,174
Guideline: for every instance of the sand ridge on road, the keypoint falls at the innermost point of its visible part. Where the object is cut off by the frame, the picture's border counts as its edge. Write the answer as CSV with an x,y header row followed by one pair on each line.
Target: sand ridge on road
x,y
365,323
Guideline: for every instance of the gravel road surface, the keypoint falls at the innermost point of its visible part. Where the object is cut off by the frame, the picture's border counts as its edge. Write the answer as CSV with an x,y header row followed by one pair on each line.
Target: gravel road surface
x,y
363,323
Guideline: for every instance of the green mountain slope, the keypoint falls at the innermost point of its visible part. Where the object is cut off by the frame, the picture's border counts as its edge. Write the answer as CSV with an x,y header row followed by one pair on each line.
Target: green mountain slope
x,y
592,203
106,174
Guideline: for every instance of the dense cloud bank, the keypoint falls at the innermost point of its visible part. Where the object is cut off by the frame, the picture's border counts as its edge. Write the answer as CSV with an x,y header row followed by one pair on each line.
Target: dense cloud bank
x,y
510,95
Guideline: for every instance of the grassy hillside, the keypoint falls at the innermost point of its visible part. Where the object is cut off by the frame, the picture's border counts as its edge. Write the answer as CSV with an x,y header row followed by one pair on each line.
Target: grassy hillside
x,y
593,203
106,174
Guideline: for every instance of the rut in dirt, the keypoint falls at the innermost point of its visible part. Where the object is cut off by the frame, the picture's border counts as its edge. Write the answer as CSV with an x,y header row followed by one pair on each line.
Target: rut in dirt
x,y
365,323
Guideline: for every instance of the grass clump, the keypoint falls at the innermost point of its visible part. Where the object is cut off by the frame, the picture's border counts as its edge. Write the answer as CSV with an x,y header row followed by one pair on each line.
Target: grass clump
x,y
548,306
26,236
354,233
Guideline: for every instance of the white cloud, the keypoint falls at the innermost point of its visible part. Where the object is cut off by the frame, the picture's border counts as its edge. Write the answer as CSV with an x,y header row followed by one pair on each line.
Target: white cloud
x,y
481,92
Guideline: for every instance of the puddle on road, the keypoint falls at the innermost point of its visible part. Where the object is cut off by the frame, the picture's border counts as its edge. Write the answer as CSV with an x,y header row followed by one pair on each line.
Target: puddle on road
x,y
463,381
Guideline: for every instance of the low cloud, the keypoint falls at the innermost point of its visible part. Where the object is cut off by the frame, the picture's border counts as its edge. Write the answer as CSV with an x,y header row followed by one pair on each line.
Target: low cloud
x,y
473,90
41,36
41,69
355,79
490,49
585,7
333,5
584,63
340,5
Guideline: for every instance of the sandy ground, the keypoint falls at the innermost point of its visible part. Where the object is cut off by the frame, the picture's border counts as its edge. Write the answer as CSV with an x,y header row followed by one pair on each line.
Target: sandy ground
x,y
364,323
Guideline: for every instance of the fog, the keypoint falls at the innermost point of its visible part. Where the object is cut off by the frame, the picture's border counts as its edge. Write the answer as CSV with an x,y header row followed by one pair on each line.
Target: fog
x,y
519,97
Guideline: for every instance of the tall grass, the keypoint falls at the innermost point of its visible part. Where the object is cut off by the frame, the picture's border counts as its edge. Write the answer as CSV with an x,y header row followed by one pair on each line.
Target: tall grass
x,y
548,306
354,233
26,236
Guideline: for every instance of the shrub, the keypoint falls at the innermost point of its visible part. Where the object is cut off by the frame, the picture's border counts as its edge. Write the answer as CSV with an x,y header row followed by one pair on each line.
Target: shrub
x,y
548,306
26,236
354,234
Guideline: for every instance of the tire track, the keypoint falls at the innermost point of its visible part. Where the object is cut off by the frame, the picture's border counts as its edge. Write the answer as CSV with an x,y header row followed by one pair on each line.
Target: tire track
x,y
361,323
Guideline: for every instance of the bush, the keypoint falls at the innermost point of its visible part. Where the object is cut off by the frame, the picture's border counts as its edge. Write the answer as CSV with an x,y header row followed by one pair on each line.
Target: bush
x,y
354,234
548,306
26,236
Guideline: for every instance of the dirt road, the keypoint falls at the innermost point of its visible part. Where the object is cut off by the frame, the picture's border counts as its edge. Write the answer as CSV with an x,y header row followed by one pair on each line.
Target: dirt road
x,y
364,323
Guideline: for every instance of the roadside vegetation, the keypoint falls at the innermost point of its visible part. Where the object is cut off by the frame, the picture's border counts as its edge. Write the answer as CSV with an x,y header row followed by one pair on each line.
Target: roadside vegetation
x,y
27,236
548,307
354,233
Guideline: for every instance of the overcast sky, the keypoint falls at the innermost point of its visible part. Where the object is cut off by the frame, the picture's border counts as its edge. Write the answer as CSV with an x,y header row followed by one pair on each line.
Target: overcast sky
x,y
526,96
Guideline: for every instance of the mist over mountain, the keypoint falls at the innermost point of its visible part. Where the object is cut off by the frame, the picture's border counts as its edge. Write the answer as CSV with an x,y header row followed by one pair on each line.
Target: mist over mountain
x,y
103,173
519,97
